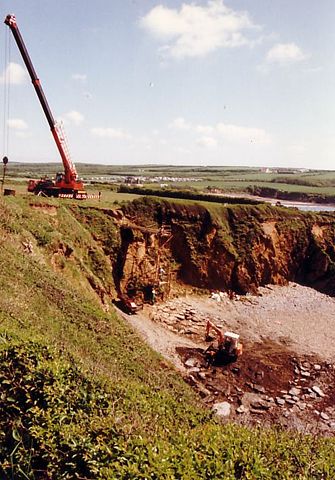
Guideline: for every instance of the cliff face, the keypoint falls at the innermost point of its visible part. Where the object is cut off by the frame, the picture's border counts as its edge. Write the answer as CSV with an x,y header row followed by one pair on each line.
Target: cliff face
x,y
166,245
162,244
237,247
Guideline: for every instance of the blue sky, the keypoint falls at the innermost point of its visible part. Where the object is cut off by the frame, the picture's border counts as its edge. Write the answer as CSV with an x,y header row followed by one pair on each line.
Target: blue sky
x,y
233,82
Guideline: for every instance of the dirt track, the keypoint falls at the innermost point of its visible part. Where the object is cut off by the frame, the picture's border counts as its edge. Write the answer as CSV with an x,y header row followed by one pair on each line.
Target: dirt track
x,y
289,338
160,339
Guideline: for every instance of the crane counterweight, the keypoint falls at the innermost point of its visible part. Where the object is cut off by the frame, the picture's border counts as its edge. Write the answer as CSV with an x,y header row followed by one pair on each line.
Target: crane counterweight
x,y
67,182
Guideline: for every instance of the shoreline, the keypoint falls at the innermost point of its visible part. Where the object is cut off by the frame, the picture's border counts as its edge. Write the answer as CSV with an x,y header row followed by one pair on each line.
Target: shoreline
x,y
283,203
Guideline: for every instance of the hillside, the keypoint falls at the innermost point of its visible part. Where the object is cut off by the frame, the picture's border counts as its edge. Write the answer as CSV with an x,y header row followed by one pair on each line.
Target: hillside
x,y
81,395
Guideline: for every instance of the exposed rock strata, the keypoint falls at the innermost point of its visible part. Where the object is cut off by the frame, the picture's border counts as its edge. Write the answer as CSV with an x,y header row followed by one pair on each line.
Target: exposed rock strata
x,y
238,248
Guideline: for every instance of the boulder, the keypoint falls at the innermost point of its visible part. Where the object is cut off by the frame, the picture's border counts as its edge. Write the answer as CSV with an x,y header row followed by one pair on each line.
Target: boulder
x,y
260,405
294,391
222,409
318,391
250,398
258,388
191,362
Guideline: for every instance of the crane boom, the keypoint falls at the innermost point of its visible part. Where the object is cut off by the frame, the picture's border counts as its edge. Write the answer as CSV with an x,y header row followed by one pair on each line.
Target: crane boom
x,y
70,178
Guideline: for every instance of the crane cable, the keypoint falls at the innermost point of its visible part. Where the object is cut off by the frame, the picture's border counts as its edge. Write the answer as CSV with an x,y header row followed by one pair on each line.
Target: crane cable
x,y
6,92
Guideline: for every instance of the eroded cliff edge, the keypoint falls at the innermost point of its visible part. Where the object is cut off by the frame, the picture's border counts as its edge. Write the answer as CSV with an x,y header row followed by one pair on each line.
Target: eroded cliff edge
x,y
236,247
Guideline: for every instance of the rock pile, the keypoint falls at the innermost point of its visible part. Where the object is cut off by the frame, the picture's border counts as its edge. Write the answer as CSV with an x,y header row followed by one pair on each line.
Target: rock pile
x,y
272,382
182,318
306,400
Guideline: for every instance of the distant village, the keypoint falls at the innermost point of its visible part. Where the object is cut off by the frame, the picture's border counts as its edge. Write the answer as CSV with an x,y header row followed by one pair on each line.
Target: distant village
x,y
285,171
166,180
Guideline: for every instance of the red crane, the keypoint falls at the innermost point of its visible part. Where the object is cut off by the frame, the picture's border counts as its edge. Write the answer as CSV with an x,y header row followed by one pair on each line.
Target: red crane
x,y
67,182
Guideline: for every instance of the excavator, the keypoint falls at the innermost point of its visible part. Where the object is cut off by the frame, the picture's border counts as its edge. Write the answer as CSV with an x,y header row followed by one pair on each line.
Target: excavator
x,y
66,184
229,347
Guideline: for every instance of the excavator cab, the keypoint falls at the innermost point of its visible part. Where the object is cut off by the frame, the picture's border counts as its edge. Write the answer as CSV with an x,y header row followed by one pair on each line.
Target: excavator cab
x,y
228,348
232,344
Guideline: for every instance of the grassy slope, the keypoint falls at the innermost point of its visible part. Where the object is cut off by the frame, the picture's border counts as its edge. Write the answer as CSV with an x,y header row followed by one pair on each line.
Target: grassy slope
x,y
83,397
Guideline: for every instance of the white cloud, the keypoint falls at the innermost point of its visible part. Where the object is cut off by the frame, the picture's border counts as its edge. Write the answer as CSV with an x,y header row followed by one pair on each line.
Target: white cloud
x,y
212,135
239,134
80,77
207,142
73,117
205,129
14,74
180,124
17,124
195,31
109,132
285,53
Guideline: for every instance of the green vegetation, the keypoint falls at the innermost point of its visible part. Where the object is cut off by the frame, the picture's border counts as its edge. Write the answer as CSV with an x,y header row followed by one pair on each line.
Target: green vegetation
x,y
82,396
185,195
293,193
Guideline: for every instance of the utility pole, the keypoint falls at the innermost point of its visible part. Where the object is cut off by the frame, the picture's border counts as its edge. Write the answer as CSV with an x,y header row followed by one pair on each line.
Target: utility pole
x,y
5,161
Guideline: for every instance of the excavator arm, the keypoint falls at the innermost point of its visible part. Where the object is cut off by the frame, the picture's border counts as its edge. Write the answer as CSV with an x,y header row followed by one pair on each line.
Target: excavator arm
x,y
210,325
